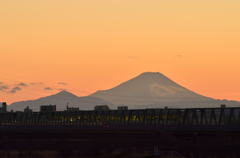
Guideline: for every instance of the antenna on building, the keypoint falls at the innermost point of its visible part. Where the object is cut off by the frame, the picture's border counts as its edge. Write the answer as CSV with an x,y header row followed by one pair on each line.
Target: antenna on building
x,y
67,104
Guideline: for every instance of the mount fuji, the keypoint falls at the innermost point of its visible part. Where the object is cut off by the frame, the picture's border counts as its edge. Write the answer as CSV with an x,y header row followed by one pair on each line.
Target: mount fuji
x,y
154,90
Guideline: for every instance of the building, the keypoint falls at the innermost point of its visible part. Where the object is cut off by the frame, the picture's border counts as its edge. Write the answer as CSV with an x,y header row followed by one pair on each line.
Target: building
x,y
101,108
72,109
27,110
223,106
4,107
123,108
48,108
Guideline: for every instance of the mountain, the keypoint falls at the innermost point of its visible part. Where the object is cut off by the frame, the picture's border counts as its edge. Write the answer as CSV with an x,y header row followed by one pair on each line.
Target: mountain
x,y
154,90
148,90
61,99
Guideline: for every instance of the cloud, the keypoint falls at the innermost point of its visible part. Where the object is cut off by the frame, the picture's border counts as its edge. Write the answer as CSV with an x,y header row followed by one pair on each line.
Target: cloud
x,y
1,82
48,89
179,56
3,87
15,89
62,83
22,84
133,57
36,83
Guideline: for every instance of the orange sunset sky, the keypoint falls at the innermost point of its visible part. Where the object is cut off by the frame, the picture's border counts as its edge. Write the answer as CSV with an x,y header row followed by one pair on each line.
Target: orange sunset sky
x,y
87,45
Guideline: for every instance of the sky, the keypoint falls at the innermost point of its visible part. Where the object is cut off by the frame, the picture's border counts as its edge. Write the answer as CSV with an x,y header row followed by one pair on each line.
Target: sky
x,y
87,45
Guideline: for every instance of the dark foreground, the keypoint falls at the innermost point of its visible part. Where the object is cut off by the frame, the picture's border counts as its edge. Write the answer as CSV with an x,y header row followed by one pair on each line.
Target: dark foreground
x,y
74,143
163,133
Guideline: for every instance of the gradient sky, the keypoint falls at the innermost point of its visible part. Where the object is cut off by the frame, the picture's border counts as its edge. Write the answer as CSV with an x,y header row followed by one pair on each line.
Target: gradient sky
x,y
97,44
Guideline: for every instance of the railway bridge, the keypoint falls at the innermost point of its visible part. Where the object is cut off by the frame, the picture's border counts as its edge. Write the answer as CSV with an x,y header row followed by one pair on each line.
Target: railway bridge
x,y
190,133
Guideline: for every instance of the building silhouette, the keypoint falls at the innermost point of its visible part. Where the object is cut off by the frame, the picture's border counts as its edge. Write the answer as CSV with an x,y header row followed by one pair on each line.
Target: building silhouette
x,y
72,109
101,108
28,110
48,108
4,107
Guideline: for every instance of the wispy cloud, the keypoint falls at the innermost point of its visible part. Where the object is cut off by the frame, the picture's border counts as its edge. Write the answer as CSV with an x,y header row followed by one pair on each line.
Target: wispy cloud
x,y
48,89
15,89
3,87
62,83
179,56
22,84
133,57
36,83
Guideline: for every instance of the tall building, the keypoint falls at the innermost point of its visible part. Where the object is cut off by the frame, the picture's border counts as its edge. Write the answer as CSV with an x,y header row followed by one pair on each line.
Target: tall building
x,y
48,108
101,108
72,109
4,107
28,110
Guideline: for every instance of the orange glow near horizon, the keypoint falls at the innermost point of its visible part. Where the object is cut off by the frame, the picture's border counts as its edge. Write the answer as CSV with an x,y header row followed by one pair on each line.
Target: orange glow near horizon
x,y
94,45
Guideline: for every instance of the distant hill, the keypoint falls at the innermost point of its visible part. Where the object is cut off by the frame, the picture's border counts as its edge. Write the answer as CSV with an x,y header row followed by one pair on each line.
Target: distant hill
x,y
154,90
60,99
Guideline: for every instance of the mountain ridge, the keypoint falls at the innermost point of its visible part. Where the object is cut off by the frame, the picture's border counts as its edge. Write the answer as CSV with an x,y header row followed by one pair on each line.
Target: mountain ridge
x,y
61,99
